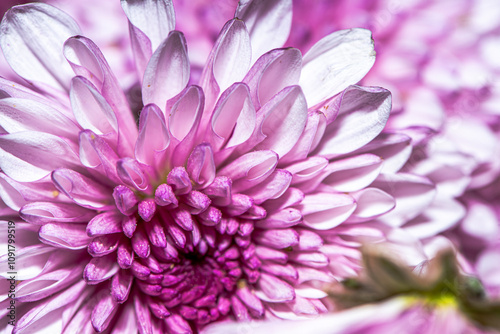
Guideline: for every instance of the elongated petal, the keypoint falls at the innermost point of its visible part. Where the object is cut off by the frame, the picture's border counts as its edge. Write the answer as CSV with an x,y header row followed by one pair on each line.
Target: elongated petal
x,y
90,108
95,153
233,120
284,119
272,72
103,313
438,217
228,62
30,156
40,59
335,62
22,114
274,290
45,307
412,194
81,189
105,223
156,27
371,203
40,213
362,116
185,114
153,137
269,23
324,211
87,61
250,168
60,235
167,73
200,165
47,284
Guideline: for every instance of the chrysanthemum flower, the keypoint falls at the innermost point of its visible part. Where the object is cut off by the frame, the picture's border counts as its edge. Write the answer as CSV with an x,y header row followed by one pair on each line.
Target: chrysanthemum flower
x,y
224,202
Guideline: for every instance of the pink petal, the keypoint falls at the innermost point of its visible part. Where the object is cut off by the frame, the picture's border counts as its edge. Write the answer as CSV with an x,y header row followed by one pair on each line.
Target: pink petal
x,y
153,137
285,218
440,216
40,213
323,211
228,62
103,312
274,186
335,62
167,72
273,289
412,194
362,116
306,169
147,31
59,300
185,112
283,119
38,60
15,194
272,72
120,286
233,119
371,203
82,190
87,61
30,156
277,238
393,148
95,153
200,166
105,223
269,23
130,172
100,269
250,300
47,284
60,235
126,321
91,109
308,140
23,114
103,245
308,240
354,173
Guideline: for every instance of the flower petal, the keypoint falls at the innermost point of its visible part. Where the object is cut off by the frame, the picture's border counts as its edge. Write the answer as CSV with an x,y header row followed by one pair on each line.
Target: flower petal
x,y
335,62
228,62
167,72
60,235
323,211
30,156
284,118
269,23
38,59
154,136
412,194
233,119
23,114
148,31
274,290
362,116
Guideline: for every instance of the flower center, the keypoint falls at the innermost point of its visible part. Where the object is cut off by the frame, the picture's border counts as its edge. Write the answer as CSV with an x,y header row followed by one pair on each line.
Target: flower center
x,y
190,248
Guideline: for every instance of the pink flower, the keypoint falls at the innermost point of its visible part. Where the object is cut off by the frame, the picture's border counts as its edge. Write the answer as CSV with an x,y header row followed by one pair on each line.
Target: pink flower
x,y
227,201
